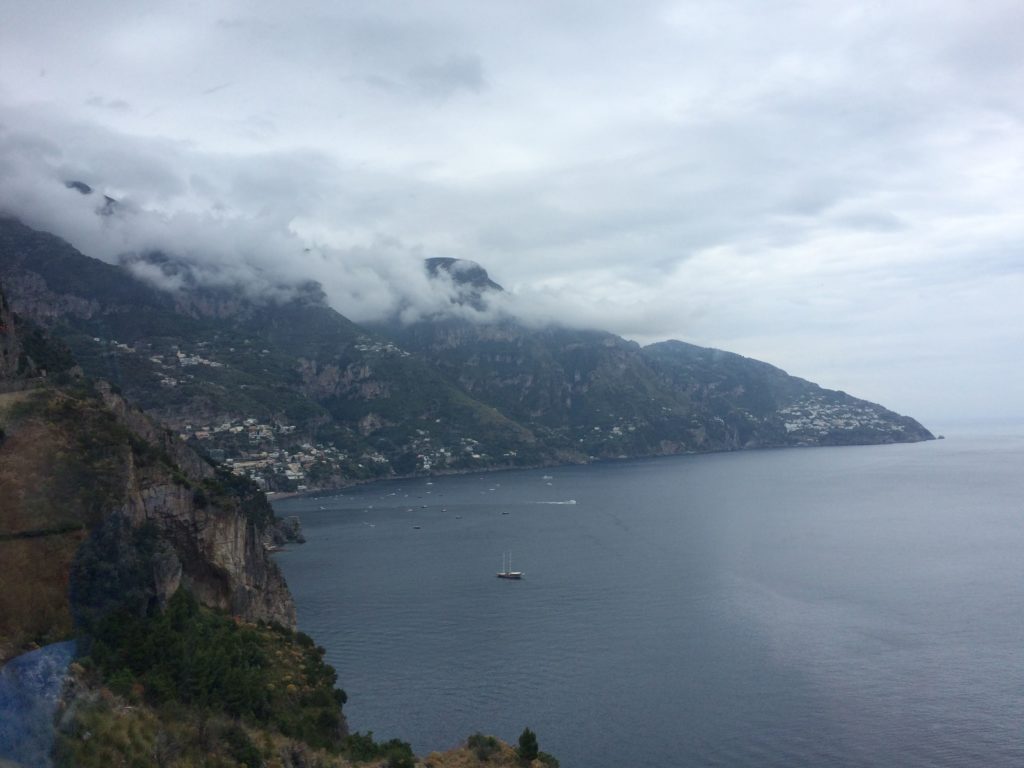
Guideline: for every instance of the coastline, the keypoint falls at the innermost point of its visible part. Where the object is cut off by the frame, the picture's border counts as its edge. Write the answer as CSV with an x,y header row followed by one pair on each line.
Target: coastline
x,y
273,496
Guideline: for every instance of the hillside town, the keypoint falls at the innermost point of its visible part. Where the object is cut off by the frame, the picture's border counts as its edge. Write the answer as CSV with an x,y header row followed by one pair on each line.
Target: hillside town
x,y
269,455
815,415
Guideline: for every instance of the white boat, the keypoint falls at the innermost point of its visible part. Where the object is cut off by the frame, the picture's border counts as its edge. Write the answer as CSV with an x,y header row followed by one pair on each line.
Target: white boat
x,y
506,571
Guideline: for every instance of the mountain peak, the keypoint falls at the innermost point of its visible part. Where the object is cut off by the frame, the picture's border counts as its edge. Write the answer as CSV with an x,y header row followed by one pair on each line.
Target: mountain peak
x,y
211,291
471,281
462,272
109,204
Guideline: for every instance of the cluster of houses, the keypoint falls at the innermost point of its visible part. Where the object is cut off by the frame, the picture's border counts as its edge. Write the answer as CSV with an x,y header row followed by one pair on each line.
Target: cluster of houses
x,y
250,429
169,363
381,347
815,415
254,450
433,457
180,359
249,447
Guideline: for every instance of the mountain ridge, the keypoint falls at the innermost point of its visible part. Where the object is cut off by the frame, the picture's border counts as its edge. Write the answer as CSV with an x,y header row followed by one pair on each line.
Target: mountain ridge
x,y
392,399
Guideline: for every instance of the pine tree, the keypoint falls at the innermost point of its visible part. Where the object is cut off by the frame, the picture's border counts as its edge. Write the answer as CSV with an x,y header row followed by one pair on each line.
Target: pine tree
x,y
528,748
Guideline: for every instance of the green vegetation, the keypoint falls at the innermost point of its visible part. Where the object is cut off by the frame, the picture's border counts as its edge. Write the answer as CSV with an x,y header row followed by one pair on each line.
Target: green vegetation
x,y
528,749
228,490
43,353
191,655
484,747
104,729
363,749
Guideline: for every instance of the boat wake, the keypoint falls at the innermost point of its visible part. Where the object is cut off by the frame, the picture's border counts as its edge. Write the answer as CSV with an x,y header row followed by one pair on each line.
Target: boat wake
x,y
570,501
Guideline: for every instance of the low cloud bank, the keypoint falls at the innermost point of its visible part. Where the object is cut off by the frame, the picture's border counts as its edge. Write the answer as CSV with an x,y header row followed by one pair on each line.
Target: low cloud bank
x,y
231,222
253,222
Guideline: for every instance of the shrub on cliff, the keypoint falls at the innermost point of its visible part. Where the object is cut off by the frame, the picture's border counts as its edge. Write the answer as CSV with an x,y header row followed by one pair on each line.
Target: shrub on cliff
x,y
361,748
484,747
528,749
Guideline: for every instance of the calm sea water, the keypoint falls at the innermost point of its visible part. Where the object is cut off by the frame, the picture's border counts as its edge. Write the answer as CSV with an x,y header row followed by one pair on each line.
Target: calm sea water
x,y
822,607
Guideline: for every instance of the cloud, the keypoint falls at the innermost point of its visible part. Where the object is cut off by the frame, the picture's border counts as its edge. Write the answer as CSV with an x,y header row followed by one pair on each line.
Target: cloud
x,y
232,221
791,181
456,73
119,105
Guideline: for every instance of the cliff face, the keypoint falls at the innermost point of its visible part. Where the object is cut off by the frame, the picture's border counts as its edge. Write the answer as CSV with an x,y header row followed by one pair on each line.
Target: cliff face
x,y
10,349
114,532
83,473
208,529
215,549
217,535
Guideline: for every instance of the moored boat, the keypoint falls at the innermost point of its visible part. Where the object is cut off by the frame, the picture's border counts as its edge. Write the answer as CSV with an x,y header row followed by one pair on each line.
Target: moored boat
x,y
506,571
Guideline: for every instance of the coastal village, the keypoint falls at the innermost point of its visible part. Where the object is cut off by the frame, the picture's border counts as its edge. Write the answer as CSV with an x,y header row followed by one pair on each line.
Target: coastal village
x,y
266,454
814,415
278,456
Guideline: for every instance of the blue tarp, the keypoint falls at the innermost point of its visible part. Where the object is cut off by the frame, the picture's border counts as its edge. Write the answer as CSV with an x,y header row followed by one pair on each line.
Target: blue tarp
x,y
30,687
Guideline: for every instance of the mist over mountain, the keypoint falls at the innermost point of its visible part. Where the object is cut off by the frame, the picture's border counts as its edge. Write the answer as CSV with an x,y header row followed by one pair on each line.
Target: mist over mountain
x,y
254,250
297,395
252,230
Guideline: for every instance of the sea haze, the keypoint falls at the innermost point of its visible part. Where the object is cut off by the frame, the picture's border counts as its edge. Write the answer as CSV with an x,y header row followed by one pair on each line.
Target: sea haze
x,y
817,607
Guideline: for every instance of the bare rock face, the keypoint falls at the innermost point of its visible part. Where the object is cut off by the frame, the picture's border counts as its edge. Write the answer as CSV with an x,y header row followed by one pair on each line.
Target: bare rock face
x,y
177,523
141,425
167,572
218,546
10,349
36,300
214,544
285,530
160,541
154,515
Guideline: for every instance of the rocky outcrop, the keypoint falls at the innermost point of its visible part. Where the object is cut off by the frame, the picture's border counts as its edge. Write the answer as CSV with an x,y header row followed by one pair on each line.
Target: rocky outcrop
x,y
157,515
286,530
10,349
162,540
214,539
470,281
168,534
215,550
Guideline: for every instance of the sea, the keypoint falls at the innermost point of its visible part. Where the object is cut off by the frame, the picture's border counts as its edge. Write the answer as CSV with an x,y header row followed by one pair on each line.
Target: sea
x,y
853,606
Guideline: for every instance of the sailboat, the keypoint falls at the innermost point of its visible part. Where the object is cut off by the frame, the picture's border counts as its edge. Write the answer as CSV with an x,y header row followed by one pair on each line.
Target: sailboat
x,y
506,571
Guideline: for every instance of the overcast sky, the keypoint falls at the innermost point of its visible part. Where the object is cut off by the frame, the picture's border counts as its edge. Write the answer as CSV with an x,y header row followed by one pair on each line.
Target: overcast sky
x,y
835,188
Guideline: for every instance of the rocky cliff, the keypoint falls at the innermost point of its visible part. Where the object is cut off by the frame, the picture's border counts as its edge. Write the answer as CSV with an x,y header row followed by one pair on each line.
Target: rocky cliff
x,y
215,523
10,348
77,462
